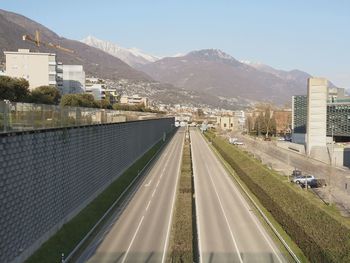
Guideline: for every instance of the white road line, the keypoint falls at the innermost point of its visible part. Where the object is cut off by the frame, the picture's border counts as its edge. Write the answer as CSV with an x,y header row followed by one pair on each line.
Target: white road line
x,y
138,227
245,204
132,240
148,184
223,211
254,219
173,204
149,202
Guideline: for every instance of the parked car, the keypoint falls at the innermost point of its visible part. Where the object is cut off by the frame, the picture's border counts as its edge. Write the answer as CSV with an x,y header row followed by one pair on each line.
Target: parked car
x,y
303,179
315,183
232,140
238,143
267,139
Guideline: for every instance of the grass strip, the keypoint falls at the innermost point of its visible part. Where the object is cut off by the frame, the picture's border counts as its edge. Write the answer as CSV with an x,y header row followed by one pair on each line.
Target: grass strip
x,y
320,235
66,239
182,241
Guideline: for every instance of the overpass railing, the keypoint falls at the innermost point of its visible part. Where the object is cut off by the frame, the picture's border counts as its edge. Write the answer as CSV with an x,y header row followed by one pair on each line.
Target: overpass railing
x,y
15,116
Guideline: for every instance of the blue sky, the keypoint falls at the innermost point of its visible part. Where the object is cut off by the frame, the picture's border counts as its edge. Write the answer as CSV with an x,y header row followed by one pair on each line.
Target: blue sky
x,y
310,35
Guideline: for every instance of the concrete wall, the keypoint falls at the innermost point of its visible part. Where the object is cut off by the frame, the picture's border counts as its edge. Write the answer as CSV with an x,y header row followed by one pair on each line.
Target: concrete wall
x,y
47,177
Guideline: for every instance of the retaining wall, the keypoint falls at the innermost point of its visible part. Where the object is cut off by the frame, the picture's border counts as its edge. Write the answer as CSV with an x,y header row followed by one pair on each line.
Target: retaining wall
x,y
47,177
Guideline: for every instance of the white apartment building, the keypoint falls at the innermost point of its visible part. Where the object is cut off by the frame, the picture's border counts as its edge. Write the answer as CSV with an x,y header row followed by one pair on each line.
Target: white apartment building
x,y
71,78
134,100
38,68
100,92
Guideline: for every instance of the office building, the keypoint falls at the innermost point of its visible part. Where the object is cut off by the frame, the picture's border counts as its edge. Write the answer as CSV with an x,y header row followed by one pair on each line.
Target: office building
x,y
38,68
337,116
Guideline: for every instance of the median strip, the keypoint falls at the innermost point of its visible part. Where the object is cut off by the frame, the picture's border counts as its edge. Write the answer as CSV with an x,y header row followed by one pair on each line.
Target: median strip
x,y
183,242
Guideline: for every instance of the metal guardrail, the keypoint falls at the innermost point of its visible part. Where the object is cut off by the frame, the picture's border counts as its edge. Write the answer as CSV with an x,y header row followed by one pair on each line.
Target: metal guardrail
x,y
257,207
16,116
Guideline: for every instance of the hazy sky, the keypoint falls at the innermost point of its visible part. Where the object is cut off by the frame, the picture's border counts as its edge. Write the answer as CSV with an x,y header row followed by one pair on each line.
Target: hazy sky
x,y
311,35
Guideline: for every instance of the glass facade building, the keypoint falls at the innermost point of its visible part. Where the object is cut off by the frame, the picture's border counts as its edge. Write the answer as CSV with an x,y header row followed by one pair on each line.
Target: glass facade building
x,y
338,116
299,114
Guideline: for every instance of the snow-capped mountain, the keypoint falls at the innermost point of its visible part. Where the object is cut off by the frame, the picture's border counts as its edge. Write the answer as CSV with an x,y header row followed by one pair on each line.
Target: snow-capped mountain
x,y
132,56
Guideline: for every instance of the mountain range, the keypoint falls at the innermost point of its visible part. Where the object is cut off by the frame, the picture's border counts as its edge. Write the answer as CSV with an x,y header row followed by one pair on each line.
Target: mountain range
x,y
210,76
217,73
132,56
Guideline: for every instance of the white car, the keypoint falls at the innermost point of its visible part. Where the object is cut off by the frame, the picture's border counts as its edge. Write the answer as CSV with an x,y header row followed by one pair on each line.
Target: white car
x,y
238,143
232,140
302,179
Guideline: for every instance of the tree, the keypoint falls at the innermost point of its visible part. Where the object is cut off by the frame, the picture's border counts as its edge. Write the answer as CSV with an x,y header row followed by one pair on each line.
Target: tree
x,y
79,100
45,95
200,113
14,89
127,107
105,104
265,121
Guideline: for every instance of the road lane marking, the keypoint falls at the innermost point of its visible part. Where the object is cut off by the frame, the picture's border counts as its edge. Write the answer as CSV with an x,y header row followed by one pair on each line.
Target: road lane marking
x,y
244,203
139,225
254,219
148,184
132,240
149,202
223,211
173,202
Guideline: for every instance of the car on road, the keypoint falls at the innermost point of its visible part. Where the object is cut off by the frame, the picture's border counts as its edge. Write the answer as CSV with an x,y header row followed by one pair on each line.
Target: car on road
x,y
303,179
238,143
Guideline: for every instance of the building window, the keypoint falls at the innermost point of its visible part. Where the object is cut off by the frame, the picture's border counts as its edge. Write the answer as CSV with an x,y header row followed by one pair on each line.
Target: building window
x,y
224,125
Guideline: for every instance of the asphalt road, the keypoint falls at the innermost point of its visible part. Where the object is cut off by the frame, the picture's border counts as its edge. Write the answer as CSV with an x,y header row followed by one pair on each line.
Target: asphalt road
x,y
141,233
228,229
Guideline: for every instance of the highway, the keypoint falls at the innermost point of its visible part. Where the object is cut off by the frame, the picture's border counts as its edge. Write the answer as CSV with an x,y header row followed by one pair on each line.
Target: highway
x,y
228,229
141,233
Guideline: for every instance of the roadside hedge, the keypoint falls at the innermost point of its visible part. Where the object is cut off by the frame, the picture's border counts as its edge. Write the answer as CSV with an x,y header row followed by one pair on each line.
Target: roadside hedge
x,y
320,236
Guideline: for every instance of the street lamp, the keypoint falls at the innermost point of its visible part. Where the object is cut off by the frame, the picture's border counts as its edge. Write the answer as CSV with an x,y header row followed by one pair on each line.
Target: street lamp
x,y
332,158
7,115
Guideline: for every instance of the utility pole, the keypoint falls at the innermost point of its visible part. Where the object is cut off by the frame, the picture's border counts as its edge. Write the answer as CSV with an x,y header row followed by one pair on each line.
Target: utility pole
x,y
332,164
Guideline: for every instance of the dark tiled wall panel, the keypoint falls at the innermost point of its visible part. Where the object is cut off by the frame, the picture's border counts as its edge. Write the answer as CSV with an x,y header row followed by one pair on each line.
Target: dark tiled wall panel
x,y
47,176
